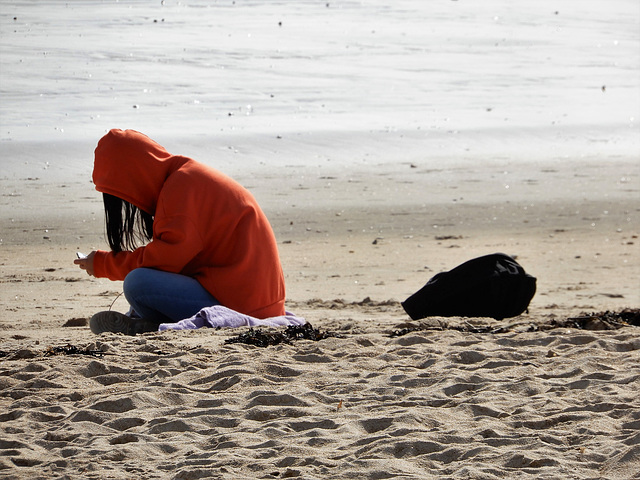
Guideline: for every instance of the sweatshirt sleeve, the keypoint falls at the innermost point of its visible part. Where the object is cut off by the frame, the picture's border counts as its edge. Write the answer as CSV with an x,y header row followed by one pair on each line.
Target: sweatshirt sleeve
x,y
176,241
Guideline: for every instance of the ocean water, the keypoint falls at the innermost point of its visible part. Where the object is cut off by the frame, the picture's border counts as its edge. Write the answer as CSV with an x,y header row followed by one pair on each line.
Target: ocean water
x,y
448,77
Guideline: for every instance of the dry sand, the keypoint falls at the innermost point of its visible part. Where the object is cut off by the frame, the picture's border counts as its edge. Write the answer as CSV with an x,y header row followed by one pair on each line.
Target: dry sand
x,y
561,403
490,131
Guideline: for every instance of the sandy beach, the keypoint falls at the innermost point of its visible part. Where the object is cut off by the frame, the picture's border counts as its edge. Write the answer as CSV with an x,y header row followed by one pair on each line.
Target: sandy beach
x,y
386,142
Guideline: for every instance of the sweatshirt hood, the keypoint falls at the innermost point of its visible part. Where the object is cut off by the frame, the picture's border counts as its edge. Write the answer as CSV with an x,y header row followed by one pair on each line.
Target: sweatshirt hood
x,y
131,166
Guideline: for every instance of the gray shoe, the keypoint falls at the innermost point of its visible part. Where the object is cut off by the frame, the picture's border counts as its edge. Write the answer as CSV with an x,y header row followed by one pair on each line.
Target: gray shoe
x,y
116,322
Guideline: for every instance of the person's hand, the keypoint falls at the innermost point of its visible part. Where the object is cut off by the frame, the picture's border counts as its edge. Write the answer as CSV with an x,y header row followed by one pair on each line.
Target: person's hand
x,y
86,264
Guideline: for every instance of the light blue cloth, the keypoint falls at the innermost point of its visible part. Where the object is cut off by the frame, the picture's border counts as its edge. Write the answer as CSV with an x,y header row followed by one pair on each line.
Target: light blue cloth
x,y
219,316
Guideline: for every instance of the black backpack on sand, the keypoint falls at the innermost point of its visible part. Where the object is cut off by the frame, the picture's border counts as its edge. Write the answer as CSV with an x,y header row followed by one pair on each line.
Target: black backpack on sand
x,y
490,286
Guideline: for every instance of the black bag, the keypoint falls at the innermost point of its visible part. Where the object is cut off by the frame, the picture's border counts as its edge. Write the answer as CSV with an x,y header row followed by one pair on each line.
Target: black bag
x,y
490,286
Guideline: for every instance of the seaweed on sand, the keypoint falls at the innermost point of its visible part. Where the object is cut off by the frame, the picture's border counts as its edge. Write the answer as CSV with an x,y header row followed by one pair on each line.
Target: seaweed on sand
x,y
587,321
72,350
260,338
605,320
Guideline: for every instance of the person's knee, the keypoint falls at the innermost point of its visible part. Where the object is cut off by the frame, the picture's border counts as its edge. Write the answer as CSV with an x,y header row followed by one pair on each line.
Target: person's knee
x,y
133,281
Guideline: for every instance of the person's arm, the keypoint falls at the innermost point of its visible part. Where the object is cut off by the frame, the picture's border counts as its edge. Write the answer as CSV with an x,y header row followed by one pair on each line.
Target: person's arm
x,y
176,242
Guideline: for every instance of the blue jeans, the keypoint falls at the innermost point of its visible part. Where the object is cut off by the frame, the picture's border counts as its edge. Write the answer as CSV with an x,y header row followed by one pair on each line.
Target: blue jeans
x,y
165,297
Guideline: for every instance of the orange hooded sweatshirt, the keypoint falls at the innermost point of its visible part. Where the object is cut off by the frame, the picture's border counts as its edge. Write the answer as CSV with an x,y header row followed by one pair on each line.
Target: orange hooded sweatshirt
x,y
206,225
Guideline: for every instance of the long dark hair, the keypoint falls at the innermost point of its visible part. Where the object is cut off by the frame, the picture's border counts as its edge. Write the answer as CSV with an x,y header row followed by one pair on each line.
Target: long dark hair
x,y
128,227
